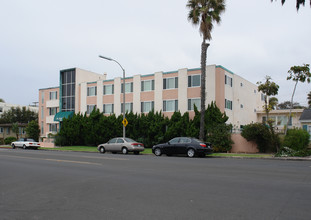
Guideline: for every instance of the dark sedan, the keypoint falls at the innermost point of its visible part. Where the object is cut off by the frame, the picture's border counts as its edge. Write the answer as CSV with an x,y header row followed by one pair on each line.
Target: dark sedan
x,y
183,145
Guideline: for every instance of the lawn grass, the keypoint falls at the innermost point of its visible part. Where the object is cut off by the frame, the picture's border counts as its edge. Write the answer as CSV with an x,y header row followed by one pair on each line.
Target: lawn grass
x,y
148,151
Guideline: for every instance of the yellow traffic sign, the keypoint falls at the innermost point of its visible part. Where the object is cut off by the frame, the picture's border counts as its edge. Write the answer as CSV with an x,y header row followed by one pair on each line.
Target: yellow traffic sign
x,y
125,122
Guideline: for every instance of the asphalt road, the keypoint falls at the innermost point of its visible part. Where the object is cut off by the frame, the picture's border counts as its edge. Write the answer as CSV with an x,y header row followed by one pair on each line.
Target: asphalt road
x,y
68,185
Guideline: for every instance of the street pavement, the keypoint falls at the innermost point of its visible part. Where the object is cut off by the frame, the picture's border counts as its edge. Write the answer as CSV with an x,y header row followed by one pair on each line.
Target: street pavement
x,y
71,185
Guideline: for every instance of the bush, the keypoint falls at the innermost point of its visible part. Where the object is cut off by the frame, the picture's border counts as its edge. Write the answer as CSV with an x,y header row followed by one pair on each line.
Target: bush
x,y
1,141
260,134
220,137
9,140
297,139
288,152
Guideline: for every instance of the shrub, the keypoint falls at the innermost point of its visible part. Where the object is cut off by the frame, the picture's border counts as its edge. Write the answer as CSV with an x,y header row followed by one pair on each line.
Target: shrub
x,y
260,134
296,139
220,137
9,140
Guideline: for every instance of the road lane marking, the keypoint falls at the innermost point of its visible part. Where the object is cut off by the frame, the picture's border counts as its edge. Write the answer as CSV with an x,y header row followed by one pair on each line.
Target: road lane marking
x,y
73,161
55,160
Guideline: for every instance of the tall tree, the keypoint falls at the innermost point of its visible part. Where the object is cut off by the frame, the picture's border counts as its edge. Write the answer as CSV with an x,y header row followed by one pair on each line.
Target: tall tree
x,y
298,74
309,99
33,130
15,129
203,13
2,100
268,88
298,3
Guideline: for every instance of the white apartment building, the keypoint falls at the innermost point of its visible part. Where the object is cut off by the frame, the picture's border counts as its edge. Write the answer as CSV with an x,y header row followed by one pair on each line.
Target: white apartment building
x,y
82,91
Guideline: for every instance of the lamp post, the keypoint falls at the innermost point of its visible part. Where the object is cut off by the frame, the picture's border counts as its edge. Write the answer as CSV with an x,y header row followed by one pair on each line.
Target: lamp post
x,y
110,59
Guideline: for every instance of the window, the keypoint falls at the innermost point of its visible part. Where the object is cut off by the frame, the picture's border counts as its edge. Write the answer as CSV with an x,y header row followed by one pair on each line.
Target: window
x,y
53,111
170,83
42,128
1,130
192,102
242,106
1,109
53,95
7,130
21,131
128,87
170,105
128,107
120,141
263,97
174,141
112,141
147,106
53,127
108,108
68,89
147,85
228,104
194,81
42,97
228,80
90,108
241,84
92,91
108,89
42,112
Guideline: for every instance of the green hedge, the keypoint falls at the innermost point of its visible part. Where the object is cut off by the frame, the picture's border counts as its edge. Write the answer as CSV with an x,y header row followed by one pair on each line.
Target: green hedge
x,y
9,140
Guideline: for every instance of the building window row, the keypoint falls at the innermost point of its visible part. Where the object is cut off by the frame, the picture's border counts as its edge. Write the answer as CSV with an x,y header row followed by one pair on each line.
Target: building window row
x,y
194,81
92,91
170,83
194,102
228,80
147,106
53,95
128,87
170,105
228,104
147,85
53,111
53,128
108,89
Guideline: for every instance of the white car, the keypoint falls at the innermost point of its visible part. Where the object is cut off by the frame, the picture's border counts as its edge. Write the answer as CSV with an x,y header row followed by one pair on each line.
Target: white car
x,y
25,143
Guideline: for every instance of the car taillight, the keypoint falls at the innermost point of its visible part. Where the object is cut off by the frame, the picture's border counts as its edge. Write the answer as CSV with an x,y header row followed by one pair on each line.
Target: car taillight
x,y
203,145
137,144
38,144
30,143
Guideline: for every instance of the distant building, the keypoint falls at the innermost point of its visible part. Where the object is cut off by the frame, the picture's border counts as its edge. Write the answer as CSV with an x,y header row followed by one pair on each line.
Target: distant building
x,y
305,120
82,91
6,129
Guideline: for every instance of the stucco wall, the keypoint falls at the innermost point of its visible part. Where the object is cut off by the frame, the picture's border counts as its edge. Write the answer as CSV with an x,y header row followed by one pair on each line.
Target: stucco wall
x,y
241,145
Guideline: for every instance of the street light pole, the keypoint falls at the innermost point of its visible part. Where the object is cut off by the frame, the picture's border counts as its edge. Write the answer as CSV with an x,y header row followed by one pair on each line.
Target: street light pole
x,y
110,59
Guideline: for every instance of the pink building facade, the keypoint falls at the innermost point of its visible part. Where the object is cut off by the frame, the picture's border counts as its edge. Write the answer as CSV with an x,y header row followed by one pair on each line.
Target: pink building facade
x,y
82,91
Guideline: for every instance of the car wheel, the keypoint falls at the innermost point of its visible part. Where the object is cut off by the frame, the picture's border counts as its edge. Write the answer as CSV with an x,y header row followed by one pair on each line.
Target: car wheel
x,y
13,146
124,150
102,150
190,152
24,147
157,152
136,152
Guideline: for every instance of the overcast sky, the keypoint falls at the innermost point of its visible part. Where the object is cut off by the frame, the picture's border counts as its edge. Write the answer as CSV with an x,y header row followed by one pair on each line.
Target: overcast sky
x,y
41,37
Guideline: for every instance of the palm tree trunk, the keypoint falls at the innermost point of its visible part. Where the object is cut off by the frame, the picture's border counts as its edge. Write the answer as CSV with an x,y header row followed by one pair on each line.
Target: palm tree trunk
x,y
291,107
203,89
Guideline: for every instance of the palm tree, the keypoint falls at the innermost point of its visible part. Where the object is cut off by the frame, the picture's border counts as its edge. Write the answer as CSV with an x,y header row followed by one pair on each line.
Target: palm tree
x,y
203,13
298,3
309,99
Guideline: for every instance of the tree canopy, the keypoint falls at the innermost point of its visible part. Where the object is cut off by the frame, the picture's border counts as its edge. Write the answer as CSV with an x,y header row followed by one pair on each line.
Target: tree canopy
x,y
18,115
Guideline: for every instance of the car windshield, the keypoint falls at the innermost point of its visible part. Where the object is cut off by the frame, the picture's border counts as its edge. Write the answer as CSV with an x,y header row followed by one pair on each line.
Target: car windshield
x,y
129,140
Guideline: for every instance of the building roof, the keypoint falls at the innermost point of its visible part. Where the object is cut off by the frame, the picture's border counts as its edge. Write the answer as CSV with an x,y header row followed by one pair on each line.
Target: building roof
x,y
306,115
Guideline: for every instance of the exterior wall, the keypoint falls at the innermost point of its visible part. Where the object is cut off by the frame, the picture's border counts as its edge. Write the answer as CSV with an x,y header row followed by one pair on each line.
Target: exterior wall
x,y
44,117
241,145
245,98
6,131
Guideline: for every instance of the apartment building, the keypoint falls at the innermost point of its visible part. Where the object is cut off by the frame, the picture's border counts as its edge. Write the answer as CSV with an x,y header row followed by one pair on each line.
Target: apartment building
x,y
82,91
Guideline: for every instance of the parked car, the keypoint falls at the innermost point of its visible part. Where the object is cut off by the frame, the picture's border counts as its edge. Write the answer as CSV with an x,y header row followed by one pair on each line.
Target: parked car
x,y
183,145
25,143
120,144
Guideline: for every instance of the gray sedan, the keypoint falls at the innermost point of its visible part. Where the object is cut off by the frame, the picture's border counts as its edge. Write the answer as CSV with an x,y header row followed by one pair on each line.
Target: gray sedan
x,y
120,144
